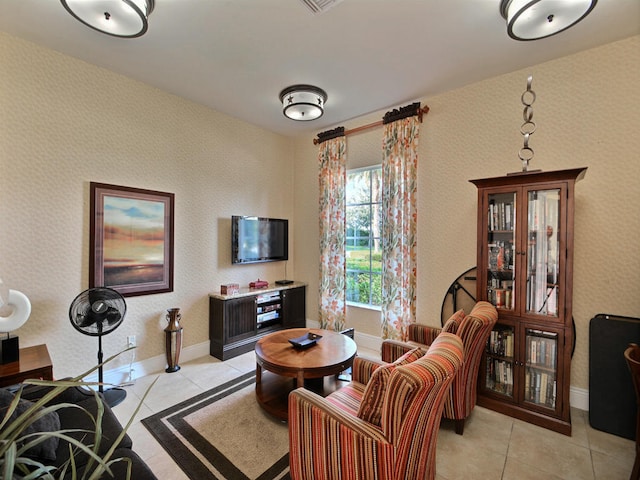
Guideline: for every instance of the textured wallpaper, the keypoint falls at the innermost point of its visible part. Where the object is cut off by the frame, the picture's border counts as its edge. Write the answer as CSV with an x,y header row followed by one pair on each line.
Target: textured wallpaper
x,y
66,123
587,112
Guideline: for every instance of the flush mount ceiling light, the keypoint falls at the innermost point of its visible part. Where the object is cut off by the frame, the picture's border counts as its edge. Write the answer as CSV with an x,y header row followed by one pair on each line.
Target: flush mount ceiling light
x,y
535,19
120,18
303,102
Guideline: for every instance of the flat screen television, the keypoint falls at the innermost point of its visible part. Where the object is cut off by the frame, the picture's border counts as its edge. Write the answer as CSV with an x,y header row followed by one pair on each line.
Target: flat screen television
x,y
257,239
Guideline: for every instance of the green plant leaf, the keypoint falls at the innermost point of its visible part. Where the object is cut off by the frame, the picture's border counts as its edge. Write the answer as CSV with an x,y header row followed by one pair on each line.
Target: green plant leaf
x,y
14,442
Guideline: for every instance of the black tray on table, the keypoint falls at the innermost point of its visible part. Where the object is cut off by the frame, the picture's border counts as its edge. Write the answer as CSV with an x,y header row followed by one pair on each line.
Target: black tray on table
x,y
305,341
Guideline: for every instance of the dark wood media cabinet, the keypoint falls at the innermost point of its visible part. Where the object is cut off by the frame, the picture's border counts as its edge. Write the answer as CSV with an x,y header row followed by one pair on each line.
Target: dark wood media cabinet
x,y
238,321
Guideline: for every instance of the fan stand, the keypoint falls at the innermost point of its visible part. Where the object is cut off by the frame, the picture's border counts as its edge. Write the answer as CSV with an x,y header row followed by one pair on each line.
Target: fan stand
x,y
112,396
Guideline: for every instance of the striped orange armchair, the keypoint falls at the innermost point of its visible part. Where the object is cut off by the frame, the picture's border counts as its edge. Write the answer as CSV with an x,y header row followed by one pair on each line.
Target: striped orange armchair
x,y
474,330
383,425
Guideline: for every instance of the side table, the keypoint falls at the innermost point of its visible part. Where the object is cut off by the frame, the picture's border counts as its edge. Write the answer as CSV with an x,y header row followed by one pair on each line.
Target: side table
x,y
34,362
333,354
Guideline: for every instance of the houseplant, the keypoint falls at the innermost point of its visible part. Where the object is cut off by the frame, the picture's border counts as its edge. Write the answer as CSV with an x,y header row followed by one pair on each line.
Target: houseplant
x,y
20,435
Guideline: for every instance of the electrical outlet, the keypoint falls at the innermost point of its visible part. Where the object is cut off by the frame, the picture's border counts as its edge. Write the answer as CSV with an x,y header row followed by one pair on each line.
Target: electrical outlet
x,y
131,340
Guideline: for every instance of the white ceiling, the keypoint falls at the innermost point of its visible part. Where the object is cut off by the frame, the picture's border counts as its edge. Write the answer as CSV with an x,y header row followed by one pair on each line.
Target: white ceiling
x,y
235,56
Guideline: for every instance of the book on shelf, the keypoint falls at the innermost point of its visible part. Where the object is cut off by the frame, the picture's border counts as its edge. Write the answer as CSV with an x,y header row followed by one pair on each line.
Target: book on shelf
x,y
542,350
500,215
501,342
540,387
490,217
499,376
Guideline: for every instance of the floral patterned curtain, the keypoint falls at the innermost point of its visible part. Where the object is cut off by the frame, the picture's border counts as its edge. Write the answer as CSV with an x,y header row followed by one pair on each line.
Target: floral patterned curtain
x,y
333,177
399,204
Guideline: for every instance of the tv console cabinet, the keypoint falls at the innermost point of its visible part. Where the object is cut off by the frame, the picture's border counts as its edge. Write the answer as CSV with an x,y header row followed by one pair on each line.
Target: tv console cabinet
x,y
238,321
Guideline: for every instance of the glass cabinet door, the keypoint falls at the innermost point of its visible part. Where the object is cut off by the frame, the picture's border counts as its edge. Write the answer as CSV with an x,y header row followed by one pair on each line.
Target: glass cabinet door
x,y
501,239
541,367
500,360
543,247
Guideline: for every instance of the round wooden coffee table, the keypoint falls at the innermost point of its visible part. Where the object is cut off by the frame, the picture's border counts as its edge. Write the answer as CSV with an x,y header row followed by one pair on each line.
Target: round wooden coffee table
x,y
289,366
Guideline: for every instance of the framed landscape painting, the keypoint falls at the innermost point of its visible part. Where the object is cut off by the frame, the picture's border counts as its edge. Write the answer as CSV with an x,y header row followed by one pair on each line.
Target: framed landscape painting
x,y
131,240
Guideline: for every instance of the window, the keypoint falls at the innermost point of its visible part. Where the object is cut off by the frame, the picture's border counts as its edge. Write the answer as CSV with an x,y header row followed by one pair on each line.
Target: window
x,y
364,225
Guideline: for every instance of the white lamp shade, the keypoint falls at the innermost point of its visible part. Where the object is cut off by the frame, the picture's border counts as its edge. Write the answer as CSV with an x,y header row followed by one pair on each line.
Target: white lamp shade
x,y
21,311
303,102
120,18
535,19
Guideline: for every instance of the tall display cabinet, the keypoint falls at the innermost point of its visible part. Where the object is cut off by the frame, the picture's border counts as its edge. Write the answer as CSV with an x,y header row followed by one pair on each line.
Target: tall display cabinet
x,y
525,269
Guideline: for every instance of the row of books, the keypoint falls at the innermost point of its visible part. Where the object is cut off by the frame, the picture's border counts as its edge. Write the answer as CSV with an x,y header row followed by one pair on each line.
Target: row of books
x,y
542,256
543,252
543,208
542,351
501,343
499,376
500,215
540,388
542,298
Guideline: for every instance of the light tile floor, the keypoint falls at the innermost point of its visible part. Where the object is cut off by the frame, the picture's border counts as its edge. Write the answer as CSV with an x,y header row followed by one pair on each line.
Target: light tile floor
x,y
493,447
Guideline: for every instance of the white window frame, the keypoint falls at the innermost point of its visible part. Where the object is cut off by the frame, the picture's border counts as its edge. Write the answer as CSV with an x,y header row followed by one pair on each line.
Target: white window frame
x,y
371,239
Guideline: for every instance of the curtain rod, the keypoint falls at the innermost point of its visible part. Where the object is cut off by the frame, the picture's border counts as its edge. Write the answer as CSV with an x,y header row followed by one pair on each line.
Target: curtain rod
x,y
423,111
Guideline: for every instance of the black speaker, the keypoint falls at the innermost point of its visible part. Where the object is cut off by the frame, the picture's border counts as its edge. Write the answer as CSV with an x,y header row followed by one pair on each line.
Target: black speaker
x,y
612,398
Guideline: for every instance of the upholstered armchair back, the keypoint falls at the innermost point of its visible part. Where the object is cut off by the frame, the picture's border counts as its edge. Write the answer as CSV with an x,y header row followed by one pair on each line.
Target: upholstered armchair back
x,y
412,409
474,331
329,438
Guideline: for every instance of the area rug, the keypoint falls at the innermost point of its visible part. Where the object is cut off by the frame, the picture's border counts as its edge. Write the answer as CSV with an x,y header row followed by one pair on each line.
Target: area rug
x,y
223,434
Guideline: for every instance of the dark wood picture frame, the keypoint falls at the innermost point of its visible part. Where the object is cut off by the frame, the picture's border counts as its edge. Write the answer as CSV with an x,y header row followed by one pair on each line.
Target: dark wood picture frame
x,y
131,239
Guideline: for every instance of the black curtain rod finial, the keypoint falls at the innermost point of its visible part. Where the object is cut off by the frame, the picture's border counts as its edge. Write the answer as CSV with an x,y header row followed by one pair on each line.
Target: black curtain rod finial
x,y
402,112
329,134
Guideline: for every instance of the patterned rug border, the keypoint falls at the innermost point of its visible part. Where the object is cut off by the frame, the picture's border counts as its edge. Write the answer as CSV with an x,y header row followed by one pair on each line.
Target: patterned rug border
x,y
190,464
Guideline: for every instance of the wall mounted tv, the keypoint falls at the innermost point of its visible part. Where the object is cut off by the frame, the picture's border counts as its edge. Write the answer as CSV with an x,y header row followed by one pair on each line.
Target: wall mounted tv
x,y
257,239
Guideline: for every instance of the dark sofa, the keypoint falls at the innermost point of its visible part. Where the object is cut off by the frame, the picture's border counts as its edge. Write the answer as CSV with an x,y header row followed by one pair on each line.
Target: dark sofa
x,y
56,453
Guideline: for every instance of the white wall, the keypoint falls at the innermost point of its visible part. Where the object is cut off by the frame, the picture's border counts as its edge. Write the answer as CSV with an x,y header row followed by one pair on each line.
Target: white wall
x,y
65,123
588,113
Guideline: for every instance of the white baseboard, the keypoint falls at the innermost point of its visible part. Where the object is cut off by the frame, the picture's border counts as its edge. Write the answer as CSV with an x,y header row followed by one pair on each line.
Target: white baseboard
x,y
157,364
579,398
368,342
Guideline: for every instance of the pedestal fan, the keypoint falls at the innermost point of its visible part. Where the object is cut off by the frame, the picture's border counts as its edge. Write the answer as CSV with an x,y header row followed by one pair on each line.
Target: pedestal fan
x,y
96,312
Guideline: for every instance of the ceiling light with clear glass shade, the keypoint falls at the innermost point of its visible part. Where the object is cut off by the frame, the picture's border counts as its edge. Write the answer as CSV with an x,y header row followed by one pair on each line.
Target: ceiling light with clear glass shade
x,y
535,19
303,102
120,18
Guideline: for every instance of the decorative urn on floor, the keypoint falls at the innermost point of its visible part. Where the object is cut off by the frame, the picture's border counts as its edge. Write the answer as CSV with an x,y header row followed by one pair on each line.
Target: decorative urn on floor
x,y
173,339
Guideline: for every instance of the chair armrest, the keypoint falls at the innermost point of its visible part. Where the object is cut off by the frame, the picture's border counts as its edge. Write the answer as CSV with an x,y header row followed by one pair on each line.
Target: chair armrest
x,y
419,336
394,349
423,334
324,438
75,394
363,368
